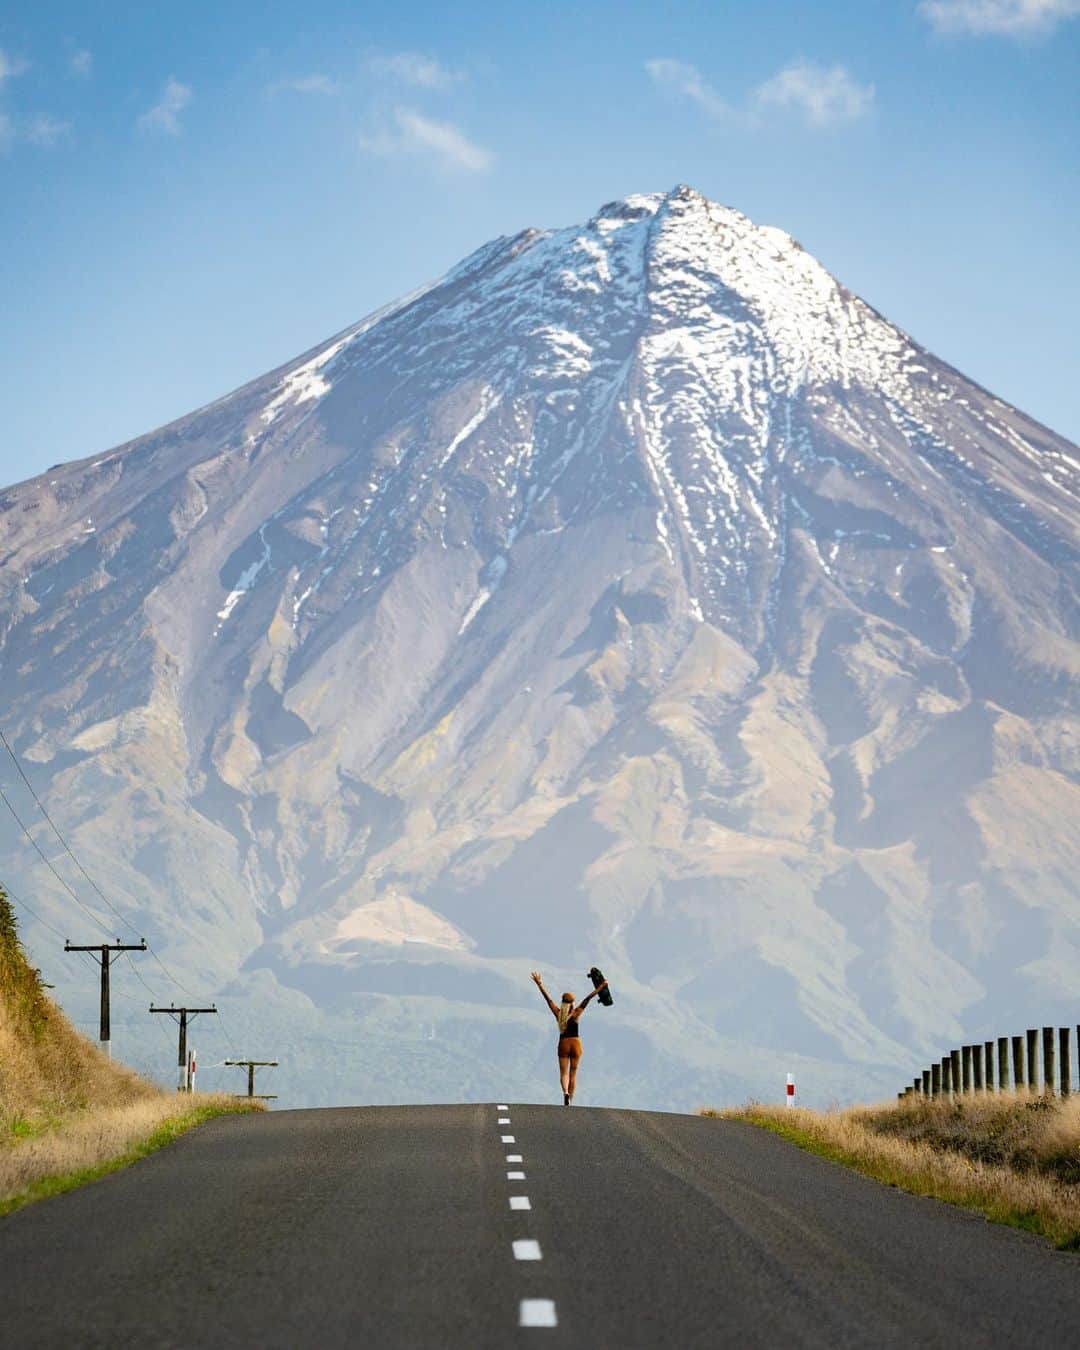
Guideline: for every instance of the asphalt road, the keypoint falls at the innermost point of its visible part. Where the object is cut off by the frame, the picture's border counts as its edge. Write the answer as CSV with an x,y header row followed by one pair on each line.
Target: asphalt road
x,y
395,1227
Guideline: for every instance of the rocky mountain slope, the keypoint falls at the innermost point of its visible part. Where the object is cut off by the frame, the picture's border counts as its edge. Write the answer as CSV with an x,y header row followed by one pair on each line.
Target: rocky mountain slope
x,y
635,594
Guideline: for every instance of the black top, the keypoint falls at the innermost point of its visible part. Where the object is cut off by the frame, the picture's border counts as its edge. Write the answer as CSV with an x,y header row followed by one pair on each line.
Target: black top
x,y
571,1028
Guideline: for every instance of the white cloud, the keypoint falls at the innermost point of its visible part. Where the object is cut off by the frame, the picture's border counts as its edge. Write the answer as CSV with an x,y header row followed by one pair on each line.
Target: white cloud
x,y
45,130
419,135
1010,17
686,80
307,84
416,69
10,66
165,114
826,95
82,63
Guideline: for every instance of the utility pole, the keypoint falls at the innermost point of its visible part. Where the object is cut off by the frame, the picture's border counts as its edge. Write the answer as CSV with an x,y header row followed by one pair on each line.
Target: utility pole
x,y
104,951
251,1065
180,1017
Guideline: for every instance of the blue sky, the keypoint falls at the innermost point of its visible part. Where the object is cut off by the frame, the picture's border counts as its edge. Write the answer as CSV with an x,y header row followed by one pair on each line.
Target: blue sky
x,y
191,194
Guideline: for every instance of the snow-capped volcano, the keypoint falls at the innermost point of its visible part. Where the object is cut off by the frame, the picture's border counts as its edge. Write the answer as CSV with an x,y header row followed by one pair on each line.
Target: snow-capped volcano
x,y
634,594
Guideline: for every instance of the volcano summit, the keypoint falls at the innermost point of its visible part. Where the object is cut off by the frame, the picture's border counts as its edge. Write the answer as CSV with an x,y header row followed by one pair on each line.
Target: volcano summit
x,y
633,595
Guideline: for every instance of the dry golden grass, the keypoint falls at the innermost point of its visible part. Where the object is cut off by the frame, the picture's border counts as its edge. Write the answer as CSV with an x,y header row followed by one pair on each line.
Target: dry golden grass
x,y
1014,1158
89,1143
67,1112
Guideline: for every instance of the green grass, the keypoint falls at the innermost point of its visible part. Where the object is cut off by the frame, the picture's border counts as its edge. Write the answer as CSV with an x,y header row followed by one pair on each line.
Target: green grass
x,y
165,1134
21,1128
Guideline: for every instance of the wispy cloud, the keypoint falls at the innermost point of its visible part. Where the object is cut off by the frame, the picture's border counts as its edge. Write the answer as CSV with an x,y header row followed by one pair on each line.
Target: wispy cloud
x,y
307,84
825,95
165,114
414,134
678,77
45,130
1014,18
11,66
82,62
415,69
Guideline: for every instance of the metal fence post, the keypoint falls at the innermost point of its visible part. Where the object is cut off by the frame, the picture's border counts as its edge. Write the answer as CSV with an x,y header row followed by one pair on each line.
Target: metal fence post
x,y
1065,1055
1003,1063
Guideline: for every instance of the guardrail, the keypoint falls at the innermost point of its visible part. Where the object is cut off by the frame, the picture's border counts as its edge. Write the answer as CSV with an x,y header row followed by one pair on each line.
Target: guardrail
x,y
971,1068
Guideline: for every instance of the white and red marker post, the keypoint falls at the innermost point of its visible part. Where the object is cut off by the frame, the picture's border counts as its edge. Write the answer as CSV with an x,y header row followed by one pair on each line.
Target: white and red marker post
x,y
789,1100
191,1070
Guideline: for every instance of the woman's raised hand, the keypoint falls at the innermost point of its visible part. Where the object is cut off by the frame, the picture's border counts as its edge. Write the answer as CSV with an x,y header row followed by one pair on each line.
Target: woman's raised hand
x,y
536,977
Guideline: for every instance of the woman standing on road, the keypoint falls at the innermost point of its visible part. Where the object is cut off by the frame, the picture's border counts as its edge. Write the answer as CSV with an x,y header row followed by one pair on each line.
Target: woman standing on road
x,y
566,1014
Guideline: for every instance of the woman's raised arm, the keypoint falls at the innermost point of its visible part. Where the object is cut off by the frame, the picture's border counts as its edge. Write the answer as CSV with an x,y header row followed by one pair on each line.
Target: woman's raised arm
x,y
547,997
585,1001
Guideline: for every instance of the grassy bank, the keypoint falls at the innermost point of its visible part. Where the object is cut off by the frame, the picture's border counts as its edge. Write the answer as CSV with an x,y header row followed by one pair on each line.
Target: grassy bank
x,y
94,1142
1014,1158
68,1114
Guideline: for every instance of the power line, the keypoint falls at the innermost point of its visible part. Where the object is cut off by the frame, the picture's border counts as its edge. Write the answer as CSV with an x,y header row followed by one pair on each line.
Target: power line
x,y
97,889
63,842
32,912
37,848
72,855
87,958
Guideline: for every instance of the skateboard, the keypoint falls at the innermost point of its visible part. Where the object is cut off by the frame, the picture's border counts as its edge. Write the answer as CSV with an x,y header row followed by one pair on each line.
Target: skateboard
x,y
604,996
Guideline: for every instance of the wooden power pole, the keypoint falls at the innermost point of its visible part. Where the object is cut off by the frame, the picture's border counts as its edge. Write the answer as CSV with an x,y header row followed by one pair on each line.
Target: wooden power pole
x,y
251,1065
104,951
180,1017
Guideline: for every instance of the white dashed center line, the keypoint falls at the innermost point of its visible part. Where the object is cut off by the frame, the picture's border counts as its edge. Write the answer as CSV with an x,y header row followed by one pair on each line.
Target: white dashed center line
x,y
538,1312
532,1312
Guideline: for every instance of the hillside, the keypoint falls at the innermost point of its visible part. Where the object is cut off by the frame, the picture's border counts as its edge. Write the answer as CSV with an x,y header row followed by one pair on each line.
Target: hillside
x,y
68,1114
47,1070
634,594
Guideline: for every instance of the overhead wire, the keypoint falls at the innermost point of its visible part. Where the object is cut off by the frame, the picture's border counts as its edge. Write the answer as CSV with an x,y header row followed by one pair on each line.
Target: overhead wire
x,y
37,848
71,853
63,842
85,957
32,912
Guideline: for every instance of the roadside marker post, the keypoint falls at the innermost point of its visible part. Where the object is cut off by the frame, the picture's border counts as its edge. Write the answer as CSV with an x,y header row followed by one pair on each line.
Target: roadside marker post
x,y
191,1069
789,1099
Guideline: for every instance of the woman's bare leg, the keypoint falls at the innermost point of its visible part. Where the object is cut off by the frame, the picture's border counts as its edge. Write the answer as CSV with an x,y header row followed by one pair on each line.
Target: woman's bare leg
x,y
565,1074
572,1079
